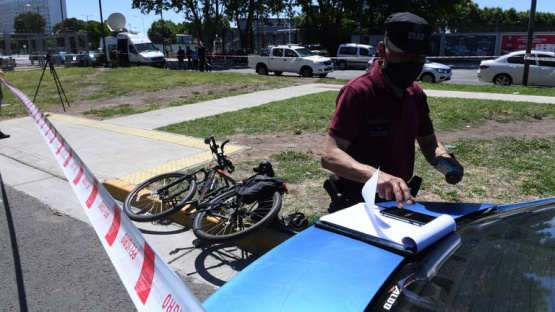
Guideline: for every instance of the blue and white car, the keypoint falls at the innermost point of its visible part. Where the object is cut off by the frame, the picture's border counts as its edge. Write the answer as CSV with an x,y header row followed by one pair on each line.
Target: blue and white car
x,y
431,72
499,258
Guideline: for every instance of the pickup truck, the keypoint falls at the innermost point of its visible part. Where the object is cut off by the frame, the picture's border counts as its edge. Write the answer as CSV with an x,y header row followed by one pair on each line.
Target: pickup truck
x,y
290,58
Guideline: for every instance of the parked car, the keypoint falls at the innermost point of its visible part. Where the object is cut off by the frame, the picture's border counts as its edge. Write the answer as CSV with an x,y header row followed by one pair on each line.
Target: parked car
x,y
240,55
431,72
317,49
508,69
94,58
292,59
7,63
499,258
354,55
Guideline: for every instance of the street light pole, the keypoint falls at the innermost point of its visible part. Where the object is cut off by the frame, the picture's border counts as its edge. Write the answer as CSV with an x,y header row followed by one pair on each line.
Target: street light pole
x,y
142,18
39,43
87,38
103,34
529,43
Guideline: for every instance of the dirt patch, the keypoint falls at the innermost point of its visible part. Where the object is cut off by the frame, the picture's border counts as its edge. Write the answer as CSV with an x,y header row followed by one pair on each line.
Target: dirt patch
x,y
143,101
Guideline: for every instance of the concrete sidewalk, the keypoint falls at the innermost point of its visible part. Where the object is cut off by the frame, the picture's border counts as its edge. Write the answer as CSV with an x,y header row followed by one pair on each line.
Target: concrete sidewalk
x,y
124,151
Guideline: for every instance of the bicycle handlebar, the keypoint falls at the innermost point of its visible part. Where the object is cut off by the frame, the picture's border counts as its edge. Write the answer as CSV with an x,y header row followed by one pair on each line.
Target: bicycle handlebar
x,y
220,156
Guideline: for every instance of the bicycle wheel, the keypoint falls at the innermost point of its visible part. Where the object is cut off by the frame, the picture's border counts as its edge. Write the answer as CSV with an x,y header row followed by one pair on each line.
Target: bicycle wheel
x,y
157,197
231,219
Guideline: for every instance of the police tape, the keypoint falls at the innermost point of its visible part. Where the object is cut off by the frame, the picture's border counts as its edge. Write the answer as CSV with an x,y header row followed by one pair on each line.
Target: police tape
x,y
150,282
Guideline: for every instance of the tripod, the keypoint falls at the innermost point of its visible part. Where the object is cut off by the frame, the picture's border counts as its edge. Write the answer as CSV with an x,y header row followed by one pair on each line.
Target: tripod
x,y
48,61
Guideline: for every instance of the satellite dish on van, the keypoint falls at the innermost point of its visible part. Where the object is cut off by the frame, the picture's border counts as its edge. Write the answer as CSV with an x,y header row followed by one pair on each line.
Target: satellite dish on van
x,y
116,21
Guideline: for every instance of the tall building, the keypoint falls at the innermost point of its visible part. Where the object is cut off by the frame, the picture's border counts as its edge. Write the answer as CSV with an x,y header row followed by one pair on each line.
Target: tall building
x,y
53,11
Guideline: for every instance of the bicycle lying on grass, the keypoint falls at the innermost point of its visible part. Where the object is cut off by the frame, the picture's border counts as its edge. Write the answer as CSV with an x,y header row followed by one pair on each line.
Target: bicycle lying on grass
x,y
224,208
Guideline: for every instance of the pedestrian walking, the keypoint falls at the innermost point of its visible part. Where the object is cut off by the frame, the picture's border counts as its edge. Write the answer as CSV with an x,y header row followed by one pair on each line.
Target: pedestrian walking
x,y
181,58
195,59
202,57
208,60
2,134
189,54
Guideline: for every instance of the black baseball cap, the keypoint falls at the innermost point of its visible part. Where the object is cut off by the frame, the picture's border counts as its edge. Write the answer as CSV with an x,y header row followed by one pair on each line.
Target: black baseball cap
x,y
407,33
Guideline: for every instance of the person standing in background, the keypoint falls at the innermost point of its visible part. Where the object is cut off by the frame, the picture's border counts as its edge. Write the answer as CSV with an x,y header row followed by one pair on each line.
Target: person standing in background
x,y
2,134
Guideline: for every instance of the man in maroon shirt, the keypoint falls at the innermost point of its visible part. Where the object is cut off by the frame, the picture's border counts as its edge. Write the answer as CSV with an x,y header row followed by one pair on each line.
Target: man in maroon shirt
x,y
380,114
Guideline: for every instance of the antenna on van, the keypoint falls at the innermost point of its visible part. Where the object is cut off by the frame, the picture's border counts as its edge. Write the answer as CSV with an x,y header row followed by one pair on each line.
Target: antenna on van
x,y
116,22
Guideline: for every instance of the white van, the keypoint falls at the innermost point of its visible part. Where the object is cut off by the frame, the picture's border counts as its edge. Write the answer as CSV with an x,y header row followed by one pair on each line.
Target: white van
x,y
354,55
135,48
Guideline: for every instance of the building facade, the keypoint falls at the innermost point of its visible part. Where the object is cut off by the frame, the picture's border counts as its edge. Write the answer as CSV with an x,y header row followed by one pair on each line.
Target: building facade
x,y
53,11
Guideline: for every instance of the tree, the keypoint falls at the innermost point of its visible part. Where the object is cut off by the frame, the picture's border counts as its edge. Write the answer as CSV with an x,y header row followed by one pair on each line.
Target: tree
x,y
29,22
208,17
160,30
95,33
205,15
70,25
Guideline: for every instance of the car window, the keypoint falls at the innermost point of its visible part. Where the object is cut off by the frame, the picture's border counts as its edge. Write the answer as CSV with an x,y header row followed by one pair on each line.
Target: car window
x,y
348,50
277,52
290,53
503,262
364,52
547,60
304,52
519,59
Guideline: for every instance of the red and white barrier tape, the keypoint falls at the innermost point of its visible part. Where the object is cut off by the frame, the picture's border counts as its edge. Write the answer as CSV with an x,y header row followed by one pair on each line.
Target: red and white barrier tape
x,y
151,283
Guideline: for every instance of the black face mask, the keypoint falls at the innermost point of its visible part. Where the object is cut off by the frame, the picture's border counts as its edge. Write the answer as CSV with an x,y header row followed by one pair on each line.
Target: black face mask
x,y
402,75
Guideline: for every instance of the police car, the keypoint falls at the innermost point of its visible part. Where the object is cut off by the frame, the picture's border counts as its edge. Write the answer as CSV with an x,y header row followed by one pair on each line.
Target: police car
x,y
499,258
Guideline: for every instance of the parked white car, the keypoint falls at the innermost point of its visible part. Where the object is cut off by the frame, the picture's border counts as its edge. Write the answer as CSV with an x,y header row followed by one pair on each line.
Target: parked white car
x,y
290,58
431,72
508,69
354,55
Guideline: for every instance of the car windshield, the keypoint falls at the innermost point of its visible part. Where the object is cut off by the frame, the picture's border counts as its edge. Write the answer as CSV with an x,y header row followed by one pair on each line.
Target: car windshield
x,y
304,52
503,262
145,47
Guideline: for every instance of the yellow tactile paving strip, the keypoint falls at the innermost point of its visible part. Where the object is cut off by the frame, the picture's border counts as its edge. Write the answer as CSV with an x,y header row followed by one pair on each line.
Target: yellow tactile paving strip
x,y
179,164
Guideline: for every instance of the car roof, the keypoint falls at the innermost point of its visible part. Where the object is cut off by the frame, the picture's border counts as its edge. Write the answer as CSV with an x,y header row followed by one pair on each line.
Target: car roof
x,y
532,52
356,45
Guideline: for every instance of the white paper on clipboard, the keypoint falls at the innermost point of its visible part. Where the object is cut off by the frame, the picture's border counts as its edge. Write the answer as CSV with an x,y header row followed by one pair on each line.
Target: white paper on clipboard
x,y
365,218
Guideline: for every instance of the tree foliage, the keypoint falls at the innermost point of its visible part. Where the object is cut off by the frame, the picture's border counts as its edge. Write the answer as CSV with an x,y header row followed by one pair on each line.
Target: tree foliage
x,y
160,30
95,32
331,22
29,22
69,25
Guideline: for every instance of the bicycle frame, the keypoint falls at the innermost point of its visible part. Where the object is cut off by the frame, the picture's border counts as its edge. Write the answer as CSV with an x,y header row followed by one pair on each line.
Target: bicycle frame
x,y
209,188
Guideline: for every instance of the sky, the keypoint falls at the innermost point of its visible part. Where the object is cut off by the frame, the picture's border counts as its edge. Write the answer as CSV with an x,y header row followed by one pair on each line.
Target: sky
x,y
134,19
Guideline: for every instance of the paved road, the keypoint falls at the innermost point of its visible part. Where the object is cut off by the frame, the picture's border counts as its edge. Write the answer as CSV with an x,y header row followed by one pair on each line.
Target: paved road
x,y
460,76
51,262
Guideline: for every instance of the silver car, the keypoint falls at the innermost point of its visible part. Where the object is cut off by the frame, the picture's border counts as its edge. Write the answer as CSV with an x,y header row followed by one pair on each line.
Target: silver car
x,y
509,68
431,72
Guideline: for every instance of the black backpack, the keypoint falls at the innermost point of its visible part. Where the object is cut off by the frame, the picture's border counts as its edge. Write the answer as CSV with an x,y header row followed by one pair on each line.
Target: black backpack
x,y
259,187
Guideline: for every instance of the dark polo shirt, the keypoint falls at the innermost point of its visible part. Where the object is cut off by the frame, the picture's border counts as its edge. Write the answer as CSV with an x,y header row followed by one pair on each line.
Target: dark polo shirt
x,y
380,127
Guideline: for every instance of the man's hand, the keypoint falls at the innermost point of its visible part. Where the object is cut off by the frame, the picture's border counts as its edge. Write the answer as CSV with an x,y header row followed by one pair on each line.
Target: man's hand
x,y
453,179
391,187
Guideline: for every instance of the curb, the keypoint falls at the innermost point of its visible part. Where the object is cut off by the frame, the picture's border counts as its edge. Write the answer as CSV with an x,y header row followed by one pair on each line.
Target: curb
x,y
260,243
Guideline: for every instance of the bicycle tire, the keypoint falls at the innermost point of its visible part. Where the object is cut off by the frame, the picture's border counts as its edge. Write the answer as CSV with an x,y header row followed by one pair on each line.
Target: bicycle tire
x,y
145,203
216,224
